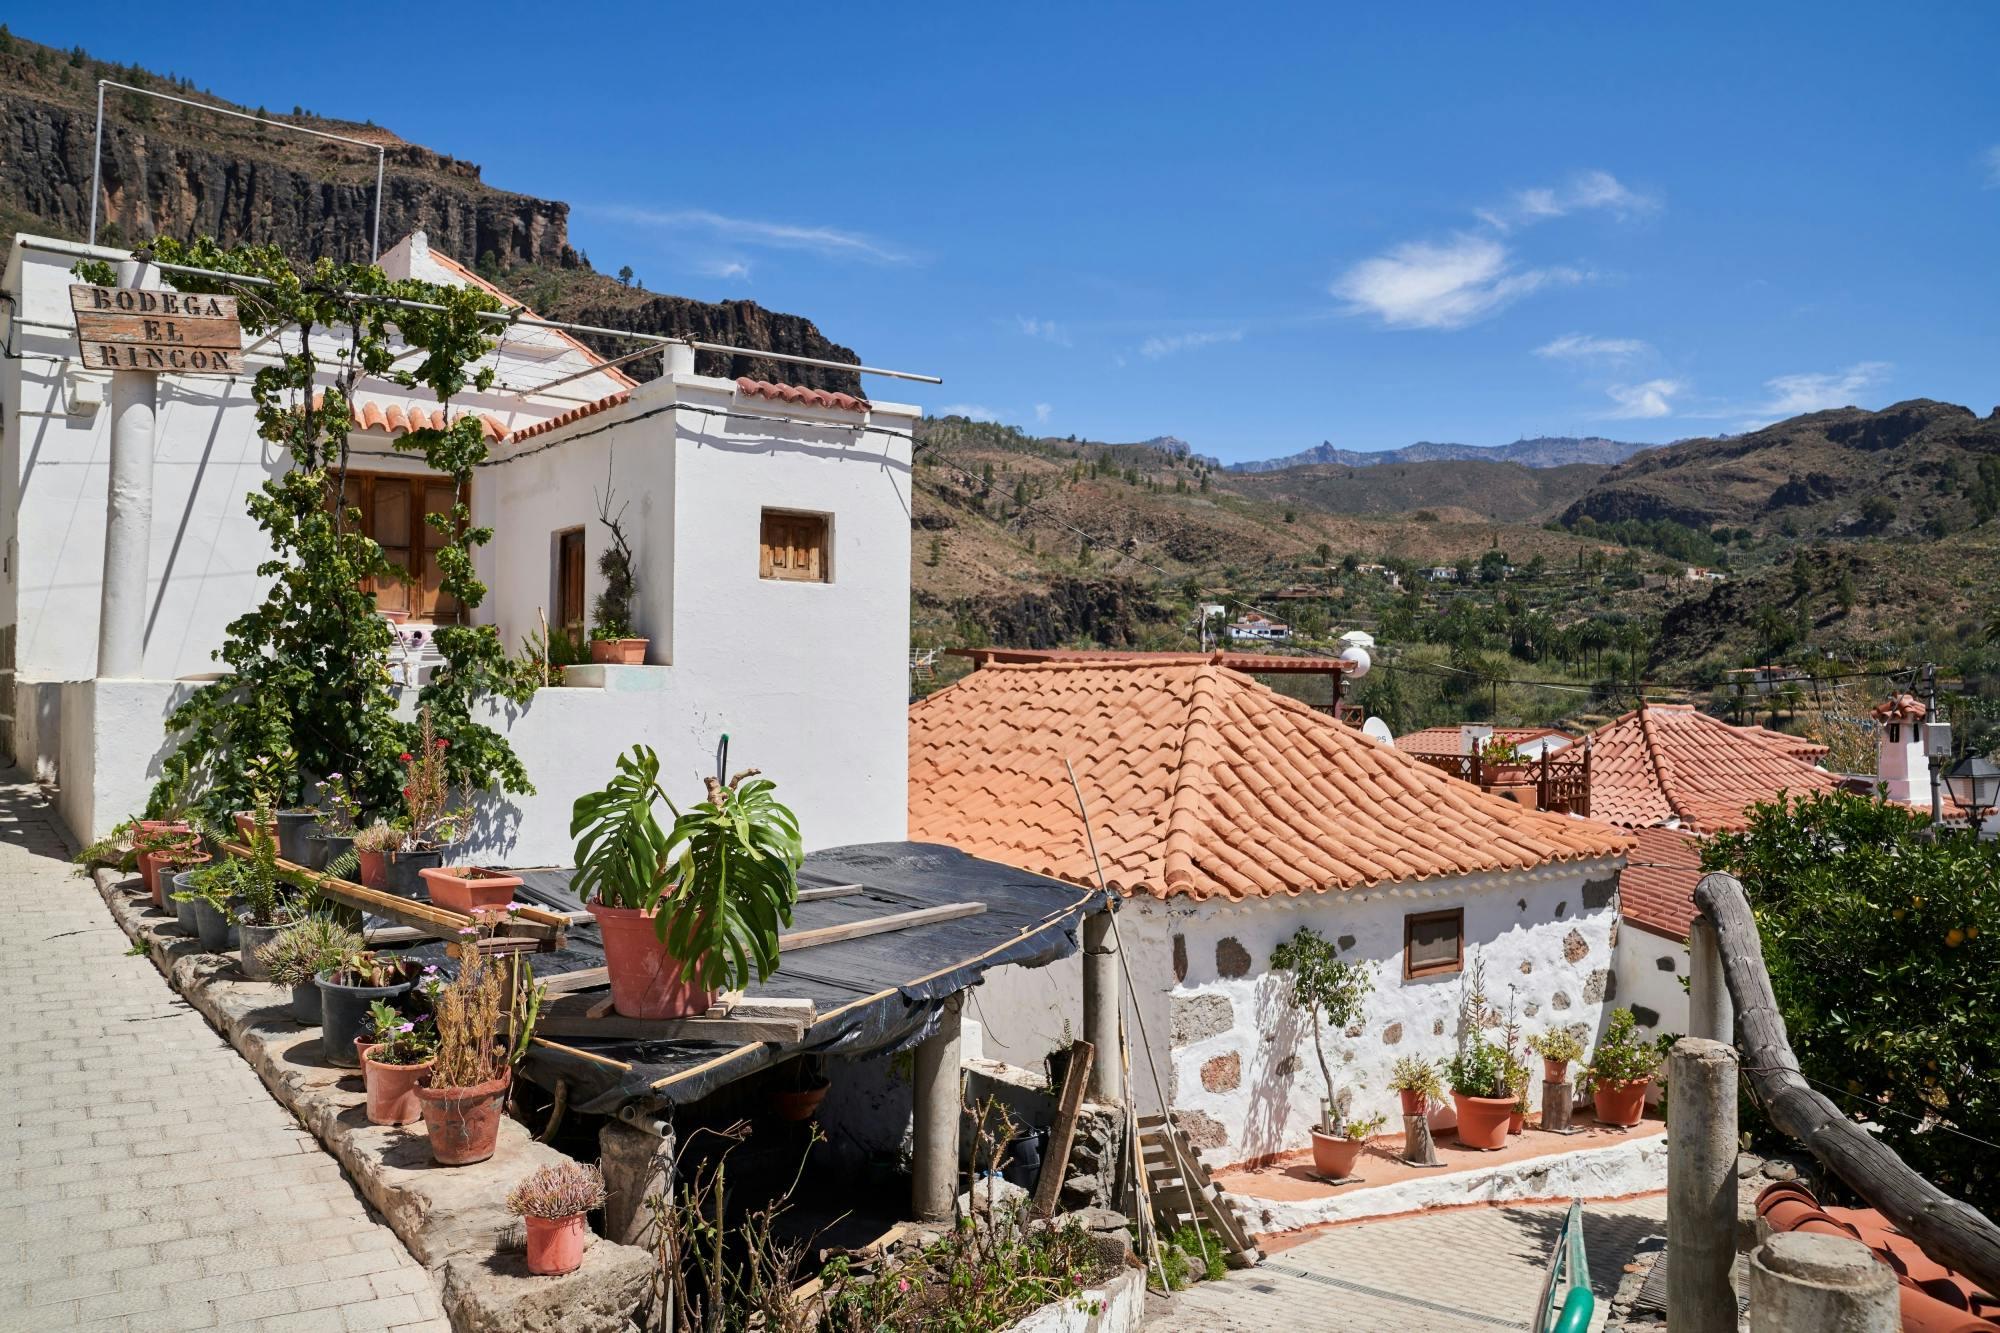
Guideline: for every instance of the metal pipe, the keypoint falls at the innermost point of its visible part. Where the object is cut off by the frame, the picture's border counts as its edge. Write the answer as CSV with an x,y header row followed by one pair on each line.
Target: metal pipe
x,y
102,84
658,339
96,161
375,243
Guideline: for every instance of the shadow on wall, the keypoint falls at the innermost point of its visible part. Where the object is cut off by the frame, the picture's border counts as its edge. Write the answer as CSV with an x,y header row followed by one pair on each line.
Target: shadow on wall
x,y
1277,1063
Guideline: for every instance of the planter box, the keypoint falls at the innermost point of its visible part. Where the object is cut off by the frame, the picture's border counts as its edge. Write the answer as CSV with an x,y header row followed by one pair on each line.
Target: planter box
x,y
1120,1303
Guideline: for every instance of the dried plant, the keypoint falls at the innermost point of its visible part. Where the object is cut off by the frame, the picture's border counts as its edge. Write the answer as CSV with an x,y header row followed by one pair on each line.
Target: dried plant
x,y
430,820
558,1191
304,949
471,1009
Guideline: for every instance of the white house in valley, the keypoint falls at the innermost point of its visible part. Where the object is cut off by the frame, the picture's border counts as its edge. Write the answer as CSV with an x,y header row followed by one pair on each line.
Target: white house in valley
x,y
771,527
1229,816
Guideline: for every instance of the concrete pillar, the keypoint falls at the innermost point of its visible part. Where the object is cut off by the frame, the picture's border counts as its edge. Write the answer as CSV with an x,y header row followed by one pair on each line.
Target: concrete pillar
x,y
1701,1186
679,358
1711,1013
1830,1284
1103,1006
637,1164
934,1161
128,513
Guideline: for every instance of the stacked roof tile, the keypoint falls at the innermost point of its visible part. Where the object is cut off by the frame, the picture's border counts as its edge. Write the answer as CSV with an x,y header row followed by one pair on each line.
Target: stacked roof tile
x,y
399,418
1202,783
792,393
1656,888
1668,763
574,414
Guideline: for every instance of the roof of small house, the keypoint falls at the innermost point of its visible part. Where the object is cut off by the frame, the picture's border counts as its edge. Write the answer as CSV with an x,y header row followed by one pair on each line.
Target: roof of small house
x,y
1672,762
1202,783
1899,708
1446,740
1798,747
1262,664
1656,888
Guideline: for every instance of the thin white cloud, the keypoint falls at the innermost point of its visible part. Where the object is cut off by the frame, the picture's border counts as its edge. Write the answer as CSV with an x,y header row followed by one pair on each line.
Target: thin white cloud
x,y
1990,159
1042,413
1586,347
1794,394
828,242
1169,344
1639,402
970,411
1045,329
1588,191
1446,285
727,268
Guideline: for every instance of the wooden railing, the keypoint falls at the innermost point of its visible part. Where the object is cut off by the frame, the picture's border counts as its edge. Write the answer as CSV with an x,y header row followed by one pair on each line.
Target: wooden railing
x,y
1561,781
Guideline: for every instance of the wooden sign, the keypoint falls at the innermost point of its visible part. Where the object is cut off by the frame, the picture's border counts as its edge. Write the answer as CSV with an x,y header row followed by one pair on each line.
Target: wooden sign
x,y
181,333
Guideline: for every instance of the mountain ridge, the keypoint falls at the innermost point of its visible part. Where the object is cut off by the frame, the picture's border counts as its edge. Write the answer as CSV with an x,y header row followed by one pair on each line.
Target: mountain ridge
x,y
1539,451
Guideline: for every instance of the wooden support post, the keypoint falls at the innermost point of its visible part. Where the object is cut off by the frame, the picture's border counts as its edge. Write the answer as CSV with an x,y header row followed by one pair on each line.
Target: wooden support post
x,y
1418,1149
1711,1014
1558,1101
934,1162
1062,1135
1701,1186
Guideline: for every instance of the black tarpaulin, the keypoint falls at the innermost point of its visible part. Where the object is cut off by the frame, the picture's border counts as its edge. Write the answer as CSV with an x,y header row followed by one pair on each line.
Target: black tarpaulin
x,y
874,995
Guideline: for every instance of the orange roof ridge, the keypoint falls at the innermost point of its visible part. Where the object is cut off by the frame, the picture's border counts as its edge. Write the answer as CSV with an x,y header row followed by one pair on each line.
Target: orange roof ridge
x,y
1672,761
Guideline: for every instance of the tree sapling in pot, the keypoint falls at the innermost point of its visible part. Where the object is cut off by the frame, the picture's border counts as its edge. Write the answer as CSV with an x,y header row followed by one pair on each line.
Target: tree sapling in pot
x,y
1332,991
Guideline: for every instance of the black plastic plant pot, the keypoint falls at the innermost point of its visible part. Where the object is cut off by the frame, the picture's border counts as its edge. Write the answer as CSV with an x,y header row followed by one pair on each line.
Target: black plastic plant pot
x,y
406,869
293,843
306,1004
343,1014
251,941
184,908
325,848
216,928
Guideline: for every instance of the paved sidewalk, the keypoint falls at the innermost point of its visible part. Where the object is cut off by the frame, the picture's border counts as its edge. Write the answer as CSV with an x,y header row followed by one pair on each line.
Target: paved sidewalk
x,y
150,1181
1469,1270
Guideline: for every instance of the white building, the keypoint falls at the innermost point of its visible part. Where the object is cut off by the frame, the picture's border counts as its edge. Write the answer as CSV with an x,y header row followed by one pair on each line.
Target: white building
x,y
717,473
1255,627
1229,816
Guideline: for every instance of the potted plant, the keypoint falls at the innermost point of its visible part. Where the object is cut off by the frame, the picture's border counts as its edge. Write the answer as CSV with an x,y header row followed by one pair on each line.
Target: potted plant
x,y
1620,1071
474,1068
807,1088
372,846
553,1202
1480,1092
335,823
1517,1082
469,889
210,892
393,1063
151,838
1417,1081
271,777
432,825
183,895
691,909
253,896
1558,1047
346,991
300,952
611,637
1332,991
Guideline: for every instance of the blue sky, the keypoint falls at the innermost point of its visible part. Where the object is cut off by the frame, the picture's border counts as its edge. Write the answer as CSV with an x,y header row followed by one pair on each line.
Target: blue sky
x,y
1252,227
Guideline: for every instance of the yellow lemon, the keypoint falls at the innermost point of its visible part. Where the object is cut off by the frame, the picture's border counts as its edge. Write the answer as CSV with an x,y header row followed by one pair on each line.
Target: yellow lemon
x,y
1953,938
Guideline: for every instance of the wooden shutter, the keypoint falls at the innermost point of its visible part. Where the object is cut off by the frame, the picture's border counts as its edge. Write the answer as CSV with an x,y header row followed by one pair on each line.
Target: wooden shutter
x,y
392,507
569,580
1433,943
389,520
793,547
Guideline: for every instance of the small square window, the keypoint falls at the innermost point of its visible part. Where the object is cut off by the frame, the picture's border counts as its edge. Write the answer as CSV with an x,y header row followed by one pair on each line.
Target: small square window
x,y
1433,943
795,547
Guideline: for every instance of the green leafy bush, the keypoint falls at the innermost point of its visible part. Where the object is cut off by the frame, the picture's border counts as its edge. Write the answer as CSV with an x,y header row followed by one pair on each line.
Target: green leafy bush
x,y
1883,947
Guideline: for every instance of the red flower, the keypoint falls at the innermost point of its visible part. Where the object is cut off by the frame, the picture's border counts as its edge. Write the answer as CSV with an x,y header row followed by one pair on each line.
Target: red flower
x,y
405,756
442,742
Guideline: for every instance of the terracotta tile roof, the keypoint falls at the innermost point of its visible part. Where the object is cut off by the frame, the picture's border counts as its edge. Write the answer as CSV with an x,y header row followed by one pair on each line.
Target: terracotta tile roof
x,y
1263,664
792,393
399,418
1669,762
1445,740
1931,1297
1899,708
1656,888
1798,747
1202,783
603,404
509,300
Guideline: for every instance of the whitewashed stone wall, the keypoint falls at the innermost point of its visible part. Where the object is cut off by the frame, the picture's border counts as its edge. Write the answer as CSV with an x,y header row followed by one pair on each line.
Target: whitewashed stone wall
x,y
1652,976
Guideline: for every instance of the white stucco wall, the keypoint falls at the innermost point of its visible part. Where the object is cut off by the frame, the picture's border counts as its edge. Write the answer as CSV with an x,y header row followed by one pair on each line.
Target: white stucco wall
x,y
111,749
1207,1016
1649,988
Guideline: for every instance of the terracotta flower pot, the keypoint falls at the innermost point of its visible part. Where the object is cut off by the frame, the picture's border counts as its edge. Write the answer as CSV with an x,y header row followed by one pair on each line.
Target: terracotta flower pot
x,y
798,1104
1517,1122
1413,1102
149,875
1334,1157
464,1123
467,888
1555,1071
1482,1121
374,870
619,652
1621,1104
555,1244
645,982
392,1089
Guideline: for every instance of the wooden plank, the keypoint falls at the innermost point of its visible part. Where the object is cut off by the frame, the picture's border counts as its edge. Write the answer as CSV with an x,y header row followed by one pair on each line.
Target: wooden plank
x,y
1062,1135
878,925
591,1016
1952,1232
826,891
583,978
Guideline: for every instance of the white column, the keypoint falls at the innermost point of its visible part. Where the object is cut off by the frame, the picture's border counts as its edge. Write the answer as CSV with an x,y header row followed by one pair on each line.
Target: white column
x,y
1102,1006
934,1161
128,513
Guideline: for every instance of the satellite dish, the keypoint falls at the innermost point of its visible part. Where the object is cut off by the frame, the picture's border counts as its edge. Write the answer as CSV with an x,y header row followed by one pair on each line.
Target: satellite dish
x,y
1359,657
1375,729
1359,638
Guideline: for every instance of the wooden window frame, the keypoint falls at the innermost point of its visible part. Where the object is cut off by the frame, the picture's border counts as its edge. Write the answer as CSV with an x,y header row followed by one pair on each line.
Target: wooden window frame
x,y
557,540
1414,919
768,570
424,540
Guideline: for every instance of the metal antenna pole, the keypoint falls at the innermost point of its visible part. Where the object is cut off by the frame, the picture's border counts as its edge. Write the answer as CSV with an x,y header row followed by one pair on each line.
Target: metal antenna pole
x,y
96,161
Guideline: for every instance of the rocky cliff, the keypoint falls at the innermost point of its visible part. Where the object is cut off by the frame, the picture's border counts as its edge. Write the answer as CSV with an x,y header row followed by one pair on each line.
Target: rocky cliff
x,y
183,171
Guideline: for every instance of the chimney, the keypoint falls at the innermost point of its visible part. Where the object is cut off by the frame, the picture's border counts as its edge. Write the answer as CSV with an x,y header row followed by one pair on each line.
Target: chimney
x,y
1899,750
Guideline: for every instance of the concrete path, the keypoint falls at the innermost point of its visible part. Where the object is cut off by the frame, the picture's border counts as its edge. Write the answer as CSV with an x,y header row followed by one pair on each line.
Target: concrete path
x,y
150,1182
1461,1271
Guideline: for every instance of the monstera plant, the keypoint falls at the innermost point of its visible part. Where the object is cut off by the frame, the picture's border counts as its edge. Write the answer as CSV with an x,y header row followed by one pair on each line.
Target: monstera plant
x,y
694,906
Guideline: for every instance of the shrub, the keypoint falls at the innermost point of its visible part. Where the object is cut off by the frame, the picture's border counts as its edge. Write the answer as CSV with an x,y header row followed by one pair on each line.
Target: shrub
x,y
563,1190
1622,1055
304,949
